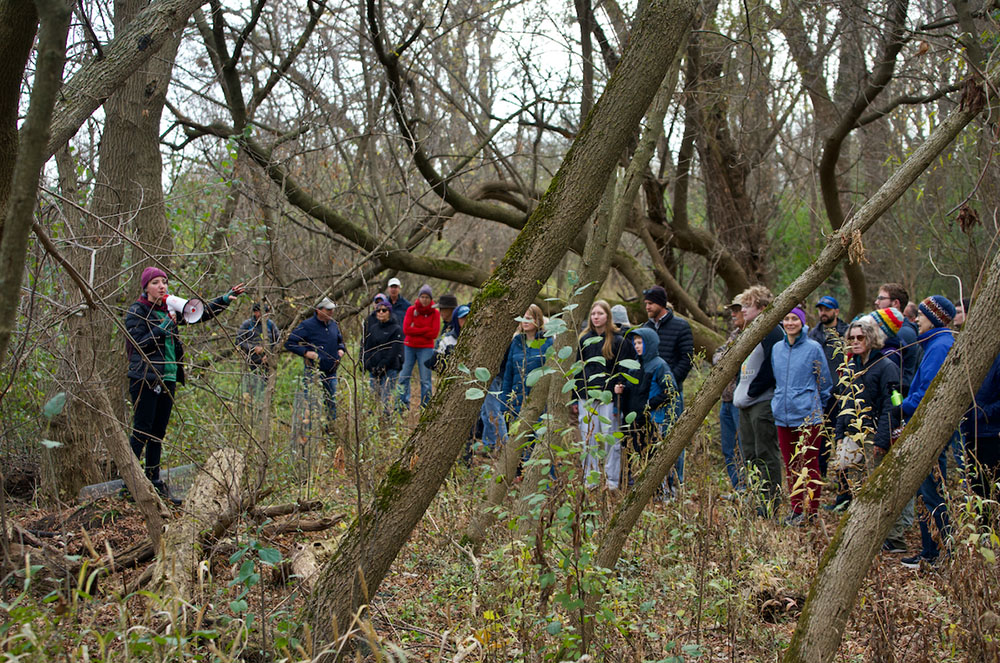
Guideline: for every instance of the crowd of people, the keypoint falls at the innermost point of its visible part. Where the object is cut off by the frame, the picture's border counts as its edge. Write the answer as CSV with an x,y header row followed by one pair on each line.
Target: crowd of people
x,y
823,407
818,406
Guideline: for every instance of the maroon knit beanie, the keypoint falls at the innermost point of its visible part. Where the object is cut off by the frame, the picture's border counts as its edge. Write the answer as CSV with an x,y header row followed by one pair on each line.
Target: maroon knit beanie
x,y
149,274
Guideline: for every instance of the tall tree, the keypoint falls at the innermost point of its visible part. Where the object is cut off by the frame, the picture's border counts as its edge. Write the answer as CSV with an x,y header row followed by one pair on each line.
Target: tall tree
x,y
375,538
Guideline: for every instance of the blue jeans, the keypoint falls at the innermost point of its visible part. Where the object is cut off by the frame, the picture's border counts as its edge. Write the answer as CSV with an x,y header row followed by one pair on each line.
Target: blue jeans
x,y
416,356
329,383
930,493
384,384
729,425
492,414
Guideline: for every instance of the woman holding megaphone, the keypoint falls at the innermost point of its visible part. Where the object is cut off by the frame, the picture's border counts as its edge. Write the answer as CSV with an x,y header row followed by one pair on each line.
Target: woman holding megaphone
x,y
155,352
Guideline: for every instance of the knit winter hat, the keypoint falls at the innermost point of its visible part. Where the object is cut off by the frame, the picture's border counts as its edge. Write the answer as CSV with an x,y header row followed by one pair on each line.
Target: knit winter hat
x,y
619,315
889,319
938,309
425,290
656,294
800,313
149,274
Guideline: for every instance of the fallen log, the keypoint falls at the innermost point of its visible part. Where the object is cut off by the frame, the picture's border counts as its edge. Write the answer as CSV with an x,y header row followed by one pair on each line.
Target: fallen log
x,y
215,491
301,525
302,506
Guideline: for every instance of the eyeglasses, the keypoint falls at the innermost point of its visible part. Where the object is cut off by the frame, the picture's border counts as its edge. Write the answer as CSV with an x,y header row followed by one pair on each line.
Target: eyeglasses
x,y
856,337
882,298
382,310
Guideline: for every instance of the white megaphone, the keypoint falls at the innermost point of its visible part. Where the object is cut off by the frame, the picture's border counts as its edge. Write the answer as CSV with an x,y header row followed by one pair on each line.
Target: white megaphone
x,y
189,309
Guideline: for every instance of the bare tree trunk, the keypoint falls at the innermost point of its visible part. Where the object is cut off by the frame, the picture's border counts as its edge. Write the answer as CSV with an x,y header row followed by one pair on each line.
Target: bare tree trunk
x,y
31,156
836,249
128,195
153,28
879,502
215,491
375,538
18,22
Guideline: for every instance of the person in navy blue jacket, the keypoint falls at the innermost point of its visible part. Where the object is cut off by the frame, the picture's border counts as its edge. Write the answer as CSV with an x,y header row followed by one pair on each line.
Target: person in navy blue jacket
x,y
934,314
319,342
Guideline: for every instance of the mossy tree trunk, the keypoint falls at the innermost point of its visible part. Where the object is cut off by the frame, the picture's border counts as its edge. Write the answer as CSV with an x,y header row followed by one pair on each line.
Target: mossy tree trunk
x,y
373,541
881,499
683,431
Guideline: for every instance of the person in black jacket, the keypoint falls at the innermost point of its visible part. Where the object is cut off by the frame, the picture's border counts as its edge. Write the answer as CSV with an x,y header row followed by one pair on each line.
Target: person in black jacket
x,y
155,365
829,333
601,349
676,339
256,350
868,417
382,349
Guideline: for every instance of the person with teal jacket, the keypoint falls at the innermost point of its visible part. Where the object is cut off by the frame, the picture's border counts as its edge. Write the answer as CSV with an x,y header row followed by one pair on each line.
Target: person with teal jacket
x,y
802,387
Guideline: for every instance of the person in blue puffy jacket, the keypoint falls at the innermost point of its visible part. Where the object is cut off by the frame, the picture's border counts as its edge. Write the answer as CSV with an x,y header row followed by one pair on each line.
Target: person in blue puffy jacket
x,y
802,388
526,353
934,314
655,400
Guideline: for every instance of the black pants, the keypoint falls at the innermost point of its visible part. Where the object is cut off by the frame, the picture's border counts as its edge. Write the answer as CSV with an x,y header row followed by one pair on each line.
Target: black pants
x,y
151,407
985,453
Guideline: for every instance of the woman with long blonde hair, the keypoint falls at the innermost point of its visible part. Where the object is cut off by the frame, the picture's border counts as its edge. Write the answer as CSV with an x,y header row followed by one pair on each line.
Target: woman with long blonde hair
x,y
601,348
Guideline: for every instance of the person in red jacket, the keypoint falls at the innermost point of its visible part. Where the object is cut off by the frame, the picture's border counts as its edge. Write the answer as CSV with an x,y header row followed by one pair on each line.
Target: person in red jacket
x,y
421,326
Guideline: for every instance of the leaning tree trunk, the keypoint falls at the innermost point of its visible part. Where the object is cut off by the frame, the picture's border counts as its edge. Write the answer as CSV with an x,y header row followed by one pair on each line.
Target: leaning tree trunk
x,y
876,506
375,538
129,197
836,248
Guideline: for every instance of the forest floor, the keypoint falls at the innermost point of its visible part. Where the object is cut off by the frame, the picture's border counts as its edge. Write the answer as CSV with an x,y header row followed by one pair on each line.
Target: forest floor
x,y
702,578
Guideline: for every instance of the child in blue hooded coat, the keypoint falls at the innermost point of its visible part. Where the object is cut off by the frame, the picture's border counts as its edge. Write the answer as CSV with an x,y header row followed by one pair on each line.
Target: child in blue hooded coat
x,y
654,398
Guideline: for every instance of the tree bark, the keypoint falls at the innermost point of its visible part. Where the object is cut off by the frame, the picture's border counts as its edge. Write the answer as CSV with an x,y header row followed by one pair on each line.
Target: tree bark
x,y
212,496
152,29
876,506
18,22
375,538
31,156
128,195
836,248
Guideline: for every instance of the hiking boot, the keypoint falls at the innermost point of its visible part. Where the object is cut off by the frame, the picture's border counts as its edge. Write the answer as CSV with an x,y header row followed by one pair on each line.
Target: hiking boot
x,y
914,562
164,491
893,547
797,520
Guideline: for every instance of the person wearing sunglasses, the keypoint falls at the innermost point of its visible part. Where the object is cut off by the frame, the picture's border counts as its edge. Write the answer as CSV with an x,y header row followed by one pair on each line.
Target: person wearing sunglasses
x,y
868,415
382,348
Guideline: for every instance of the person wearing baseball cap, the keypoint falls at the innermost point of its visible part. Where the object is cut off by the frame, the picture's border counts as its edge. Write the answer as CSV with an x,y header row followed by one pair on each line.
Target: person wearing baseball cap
x,y
829,333
256,350
398,302
934,315
321,345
